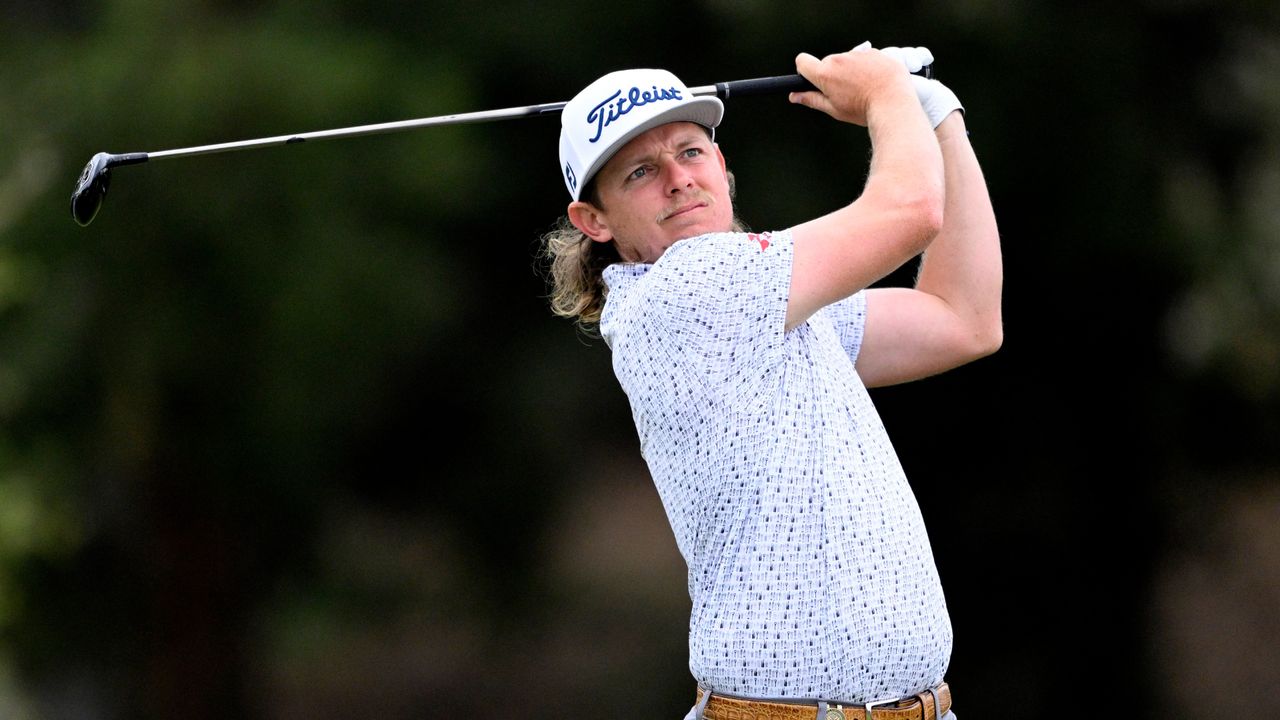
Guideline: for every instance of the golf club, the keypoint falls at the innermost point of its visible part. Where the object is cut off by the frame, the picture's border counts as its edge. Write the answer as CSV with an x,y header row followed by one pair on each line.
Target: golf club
x,y
86,199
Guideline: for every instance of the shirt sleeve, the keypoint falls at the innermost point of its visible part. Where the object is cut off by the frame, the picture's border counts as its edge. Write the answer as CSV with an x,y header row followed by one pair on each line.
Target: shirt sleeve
x,y
724,298
849,316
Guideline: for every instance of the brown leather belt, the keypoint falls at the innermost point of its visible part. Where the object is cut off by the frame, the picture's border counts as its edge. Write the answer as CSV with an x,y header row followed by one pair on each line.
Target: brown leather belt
x,y
916,707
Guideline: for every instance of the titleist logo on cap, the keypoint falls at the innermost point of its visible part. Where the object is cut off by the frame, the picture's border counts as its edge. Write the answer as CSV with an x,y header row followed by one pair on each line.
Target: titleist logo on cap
x,y
603,114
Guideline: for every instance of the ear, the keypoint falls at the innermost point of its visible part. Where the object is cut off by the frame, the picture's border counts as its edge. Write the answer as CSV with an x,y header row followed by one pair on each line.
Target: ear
x,y
590,220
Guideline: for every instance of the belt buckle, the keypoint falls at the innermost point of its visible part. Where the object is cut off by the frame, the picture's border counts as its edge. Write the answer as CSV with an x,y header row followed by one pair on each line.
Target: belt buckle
x,y
878,703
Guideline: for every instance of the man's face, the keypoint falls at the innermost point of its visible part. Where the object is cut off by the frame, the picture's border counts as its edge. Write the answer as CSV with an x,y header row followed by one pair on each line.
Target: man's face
x,y
665,185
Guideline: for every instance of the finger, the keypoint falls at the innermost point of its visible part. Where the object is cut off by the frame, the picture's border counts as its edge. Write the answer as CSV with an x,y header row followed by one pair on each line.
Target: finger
x,y
809,99
912,58
813,100
899,54
808,67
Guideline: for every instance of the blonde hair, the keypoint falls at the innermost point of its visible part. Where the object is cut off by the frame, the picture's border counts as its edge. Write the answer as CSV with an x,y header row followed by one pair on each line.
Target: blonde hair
x,y
574,267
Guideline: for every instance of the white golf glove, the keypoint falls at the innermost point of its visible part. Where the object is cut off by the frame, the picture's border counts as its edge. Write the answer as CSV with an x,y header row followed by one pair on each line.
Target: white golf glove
x,y
937,99
913,57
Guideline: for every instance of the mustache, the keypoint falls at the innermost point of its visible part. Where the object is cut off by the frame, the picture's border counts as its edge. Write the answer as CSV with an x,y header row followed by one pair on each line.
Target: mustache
x,y
693,197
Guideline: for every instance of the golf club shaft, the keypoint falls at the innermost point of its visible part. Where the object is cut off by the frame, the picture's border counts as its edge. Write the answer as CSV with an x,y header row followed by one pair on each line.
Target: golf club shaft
x,y
724,90
86,199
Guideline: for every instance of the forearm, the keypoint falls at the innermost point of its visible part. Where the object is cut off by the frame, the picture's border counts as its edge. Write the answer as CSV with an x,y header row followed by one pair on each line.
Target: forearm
x,y
901,206
871,89
907,167
963,265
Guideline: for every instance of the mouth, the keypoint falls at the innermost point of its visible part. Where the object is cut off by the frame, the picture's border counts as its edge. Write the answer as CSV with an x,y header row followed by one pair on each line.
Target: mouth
x,y
684,210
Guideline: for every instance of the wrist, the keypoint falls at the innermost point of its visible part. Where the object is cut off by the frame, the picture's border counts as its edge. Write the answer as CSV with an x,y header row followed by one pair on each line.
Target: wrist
x,y
952,126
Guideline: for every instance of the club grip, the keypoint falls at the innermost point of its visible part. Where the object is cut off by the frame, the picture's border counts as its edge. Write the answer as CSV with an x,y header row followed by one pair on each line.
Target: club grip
x,y
763,86
779,84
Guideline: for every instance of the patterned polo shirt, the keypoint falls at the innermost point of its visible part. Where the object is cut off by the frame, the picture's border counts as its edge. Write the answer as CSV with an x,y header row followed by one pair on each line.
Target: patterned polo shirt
x,y
810,571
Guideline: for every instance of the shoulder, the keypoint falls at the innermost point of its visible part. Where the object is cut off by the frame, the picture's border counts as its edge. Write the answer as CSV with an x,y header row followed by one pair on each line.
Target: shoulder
x,y
727,244
712,285
701,255
723,257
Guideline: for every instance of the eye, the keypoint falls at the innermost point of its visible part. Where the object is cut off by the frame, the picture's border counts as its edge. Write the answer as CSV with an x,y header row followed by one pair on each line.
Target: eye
x,y
638,173
692,152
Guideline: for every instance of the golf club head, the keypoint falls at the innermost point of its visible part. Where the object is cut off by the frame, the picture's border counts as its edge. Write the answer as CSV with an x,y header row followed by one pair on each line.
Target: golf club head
x,y
86,199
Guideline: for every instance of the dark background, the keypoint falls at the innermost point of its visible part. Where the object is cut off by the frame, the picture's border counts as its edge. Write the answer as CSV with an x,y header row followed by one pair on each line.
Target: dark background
x,y
291,433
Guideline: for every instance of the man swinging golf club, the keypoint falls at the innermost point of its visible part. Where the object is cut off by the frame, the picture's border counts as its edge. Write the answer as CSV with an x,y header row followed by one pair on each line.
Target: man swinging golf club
x,y
746,358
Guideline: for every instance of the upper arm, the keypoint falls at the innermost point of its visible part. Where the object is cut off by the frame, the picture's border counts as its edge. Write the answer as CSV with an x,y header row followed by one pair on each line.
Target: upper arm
x,y
911,334
843,252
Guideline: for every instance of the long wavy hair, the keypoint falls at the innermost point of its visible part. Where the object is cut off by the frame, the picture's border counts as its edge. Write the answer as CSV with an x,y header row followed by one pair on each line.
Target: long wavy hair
x,y
573,265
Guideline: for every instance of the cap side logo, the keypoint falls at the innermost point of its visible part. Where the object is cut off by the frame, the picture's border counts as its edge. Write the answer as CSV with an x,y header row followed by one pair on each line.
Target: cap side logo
x,y
570,177
603,114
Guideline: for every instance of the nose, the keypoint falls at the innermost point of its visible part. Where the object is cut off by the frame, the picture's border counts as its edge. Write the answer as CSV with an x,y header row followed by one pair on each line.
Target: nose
x,y
678,178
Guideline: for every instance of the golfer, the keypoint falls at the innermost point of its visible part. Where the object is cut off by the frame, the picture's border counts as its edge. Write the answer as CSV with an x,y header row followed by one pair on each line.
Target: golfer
x,y
746,358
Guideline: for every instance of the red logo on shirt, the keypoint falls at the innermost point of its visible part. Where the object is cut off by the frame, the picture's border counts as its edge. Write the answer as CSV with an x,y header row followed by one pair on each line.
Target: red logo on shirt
x,y
762,238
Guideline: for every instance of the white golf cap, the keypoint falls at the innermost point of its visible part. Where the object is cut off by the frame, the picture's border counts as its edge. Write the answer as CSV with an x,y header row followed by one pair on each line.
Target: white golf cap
x,y
611,111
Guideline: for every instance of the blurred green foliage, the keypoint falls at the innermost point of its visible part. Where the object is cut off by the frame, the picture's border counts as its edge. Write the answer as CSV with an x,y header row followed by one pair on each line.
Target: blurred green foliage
x,y
291,432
